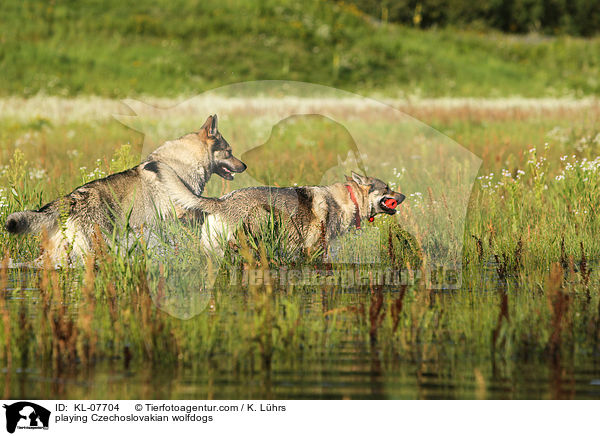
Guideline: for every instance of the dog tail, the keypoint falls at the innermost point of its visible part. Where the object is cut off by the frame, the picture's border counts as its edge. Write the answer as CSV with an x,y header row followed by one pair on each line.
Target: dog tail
x,y
29,221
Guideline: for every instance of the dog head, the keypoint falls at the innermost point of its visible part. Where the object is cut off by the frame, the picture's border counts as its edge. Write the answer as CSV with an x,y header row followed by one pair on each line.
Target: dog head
x,y
223,162
381,198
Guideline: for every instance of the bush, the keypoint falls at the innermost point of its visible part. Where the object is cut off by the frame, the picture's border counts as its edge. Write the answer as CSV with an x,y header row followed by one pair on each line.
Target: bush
x,y
578,17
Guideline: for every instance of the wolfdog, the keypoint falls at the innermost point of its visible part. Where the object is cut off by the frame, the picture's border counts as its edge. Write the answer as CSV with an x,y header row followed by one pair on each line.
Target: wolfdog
x,y
135,197
310,215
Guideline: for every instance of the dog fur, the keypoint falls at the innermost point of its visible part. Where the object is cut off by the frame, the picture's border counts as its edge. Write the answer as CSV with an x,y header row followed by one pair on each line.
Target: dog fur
x,y
311,215
135,197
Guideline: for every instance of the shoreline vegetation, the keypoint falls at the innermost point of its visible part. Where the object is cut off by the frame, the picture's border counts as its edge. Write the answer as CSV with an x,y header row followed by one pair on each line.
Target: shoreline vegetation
x,y
528,302
87,89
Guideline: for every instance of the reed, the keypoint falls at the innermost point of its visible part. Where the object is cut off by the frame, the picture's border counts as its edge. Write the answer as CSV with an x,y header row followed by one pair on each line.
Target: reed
x,y
529,291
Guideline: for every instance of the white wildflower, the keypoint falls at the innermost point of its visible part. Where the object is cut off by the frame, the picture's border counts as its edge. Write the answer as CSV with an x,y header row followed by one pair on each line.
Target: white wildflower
x,y
37,173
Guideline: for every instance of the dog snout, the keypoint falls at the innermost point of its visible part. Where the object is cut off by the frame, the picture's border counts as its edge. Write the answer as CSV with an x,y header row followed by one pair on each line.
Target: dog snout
x,y
237,165
400,198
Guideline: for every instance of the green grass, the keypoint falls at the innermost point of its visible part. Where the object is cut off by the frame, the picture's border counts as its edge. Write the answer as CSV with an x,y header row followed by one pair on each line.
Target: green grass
x,y
172,48
528,304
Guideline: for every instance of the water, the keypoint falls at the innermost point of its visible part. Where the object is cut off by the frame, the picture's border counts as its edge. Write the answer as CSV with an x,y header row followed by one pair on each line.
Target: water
x,y
350,371
354,376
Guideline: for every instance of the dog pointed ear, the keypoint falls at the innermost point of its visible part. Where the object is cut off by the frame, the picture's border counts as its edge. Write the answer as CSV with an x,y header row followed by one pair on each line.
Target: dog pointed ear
x,y
210,126
214,127
361,180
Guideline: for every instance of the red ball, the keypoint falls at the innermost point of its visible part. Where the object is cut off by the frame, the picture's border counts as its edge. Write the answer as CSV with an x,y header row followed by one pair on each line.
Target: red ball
x,y
391,203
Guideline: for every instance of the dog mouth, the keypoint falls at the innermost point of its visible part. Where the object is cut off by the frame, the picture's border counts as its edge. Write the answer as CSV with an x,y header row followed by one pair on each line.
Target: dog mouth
x,y
226,171
388,205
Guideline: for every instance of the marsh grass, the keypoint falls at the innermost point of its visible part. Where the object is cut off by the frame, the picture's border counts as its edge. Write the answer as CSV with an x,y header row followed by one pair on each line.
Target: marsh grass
x,y
529,296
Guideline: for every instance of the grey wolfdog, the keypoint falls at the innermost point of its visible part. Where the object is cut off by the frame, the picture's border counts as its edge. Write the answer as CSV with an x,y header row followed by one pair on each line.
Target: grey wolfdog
x,y
135,197
310,215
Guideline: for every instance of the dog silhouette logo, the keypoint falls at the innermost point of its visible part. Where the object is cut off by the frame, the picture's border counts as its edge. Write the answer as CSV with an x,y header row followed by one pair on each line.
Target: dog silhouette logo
x,y
316,145
26,415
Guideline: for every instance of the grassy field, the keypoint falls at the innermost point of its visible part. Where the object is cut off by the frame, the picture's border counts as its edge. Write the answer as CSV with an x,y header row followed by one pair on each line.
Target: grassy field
x,y
173,48
525,322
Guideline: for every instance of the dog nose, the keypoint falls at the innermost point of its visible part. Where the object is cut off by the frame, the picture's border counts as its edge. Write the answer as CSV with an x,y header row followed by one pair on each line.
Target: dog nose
x,y
400,198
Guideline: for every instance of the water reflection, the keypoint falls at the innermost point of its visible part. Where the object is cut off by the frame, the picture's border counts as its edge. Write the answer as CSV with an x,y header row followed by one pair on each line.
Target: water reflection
x,y
353,370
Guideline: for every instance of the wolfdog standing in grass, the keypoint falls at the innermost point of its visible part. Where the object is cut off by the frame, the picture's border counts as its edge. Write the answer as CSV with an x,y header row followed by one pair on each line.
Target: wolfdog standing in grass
x,y
135,197
309,215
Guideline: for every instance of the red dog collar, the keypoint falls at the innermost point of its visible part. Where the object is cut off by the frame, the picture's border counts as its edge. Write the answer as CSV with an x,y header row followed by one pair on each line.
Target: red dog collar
x,y
356,209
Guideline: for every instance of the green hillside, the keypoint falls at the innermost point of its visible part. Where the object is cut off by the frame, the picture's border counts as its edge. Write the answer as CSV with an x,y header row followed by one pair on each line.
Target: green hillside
x,y
168,48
